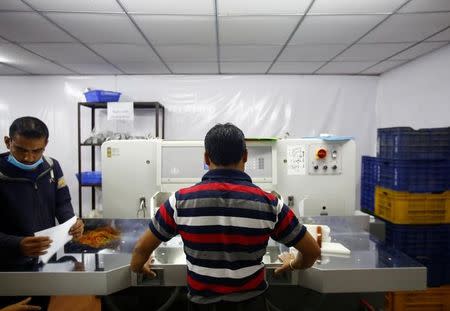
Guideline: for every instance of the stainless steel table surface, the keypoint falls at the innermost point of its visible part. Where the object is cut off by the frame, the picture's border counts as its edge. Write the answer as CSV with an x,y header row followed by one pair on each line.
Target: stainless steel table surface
x,y
371,267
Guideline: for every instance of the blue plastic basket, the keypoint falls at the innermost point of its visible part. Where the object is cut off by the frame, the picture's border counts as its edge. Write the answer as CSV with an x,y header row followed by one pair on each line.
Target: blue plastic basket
x,y
370,172
428,244
405,143
419,241
415,175
102,96
418,176
90,178
438,268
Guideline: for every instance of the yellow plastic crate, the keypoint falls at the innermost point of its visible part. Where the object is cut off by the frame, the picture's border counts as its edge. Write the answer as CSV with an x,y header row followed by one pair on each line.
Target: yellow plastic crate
x,y
431,299
412,208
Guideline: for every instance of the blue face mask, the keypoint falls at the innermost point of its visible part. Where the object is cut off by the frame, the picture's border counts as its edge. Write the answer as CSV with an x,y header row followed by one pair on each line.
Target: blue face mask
x,y
26,167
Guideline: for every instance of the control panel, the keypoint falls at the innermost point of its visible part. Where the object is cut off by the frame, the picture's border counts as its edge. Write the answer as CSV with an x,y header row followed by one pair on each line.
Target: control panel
x,y
325,159
316,176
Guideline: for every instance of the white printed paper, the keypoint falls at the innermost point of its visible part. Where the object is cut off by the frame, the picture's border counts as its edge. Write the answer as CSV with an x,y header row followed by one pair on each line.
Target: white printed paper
x,y
296,160
120,111
59,235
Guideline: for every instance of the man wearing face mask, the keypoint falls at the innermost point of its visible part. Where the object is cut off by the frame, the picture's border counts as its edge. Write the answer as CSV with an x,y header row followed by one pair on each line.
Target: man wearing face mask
x,y
33,194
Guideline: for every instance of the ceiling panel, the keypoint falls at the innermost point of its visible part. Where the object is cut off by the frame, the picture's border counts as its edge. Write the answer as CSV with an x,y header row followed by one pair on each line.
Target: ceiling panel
x,y
419,50
355,7
194,68
340,29
188,53
383,66
442,36
6,70
122,53
256,7
426,6
309,52
143,67
30,27
196,7
344,67
259,53
250,30
65,53
408,27
76,6
14,5
369,52
244,67
295,67
167,30
98,28
94,69
27,61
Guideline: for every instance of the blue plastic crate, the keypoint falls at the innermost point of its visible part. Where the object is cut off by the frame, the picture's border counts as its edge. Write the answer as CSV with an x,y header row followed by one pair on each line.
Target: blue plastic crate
x,y
419,241
102,96
438,270
370,172
415,175
405,143
90,178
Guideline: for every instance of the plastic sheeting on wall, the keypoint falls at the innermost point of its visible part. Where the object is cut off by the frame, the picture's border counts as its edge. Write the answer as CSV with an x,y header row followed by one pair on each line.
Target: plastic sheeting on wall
x,y
261,106
416,94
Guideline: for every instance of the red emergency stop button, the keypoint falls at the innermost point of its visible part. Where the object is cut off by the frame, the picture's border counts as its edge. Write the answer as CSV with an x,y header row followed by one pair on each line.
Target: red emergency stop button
x,y
321,153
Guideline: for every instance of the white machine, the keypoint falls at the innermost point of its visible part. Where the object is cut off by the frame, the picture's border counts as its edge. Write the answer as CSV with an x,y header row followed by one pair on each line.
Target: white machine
x,y
182,165
314,177
128,177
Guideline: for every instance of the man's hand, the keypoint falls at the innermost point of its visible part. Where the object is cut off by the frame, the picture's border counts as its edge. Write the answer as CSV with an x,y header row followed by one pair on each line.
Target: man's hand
x,y
21,306
141,261
77,229
147,268
287,260
35,246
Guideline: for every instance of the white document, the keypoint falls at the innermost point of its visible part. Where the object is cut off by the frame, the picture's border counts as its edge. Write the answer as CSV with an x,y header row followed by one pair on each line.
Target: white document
x,y
120,111
296,160
59,235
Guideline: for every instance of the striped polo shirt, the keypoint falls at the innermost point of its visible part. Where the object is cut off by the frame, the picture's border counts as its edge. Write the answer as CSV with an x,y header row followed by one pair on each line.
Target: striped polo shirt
x,y
225,222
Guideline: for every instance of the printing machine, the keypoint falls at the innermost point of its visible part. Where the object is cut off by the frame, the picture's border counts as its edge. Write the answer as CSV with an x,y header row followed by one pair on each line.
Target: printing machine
x,y
315,177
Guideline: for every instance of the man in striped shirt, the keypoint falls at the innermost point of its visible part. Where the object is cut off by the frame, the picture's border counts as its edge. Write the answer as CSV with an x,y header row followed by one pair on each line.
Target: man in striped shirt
x,y
225,222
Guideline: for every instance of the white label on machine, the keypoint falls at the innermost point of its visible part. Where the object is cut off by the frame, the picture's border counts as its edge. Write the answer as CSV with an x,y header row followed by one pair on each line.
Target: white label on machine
x,y
296,164
121,111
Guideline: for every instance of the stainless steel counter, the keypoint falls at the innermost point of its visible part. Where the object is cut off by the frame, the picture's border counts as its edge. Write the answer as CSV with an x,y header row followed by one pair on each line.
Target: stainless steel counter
x,y
371,267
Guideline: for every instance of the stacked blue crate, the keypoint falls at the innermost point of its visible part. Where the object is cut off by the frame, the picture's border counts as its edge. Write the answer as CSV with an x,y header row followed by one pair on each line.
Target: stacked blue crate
x,y
416,161
417,176
405,143
370,173
428,244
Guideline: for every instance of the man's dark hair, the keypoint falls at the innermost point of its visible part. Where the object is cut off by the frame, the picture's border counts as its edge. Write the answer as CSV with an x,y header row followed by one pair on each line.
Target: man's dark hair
x,y
225,144
28,127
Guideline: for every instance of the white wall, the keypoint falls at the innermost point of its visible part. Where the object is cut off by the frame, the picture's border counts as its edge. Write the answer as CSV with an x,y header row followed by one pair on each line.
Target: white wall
x,y
260,105
416,94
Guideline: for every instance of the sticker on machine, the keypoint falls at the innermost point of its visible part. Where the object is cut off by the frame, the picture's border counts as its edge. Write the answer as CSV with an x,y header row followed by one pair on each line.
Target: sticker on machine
x,y
296,163
112,152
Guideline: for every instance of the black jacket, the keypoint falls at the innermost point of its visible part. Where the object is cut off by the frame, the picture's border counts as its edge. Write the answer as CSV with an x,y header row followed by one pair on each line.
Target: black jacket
x,y
29,201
